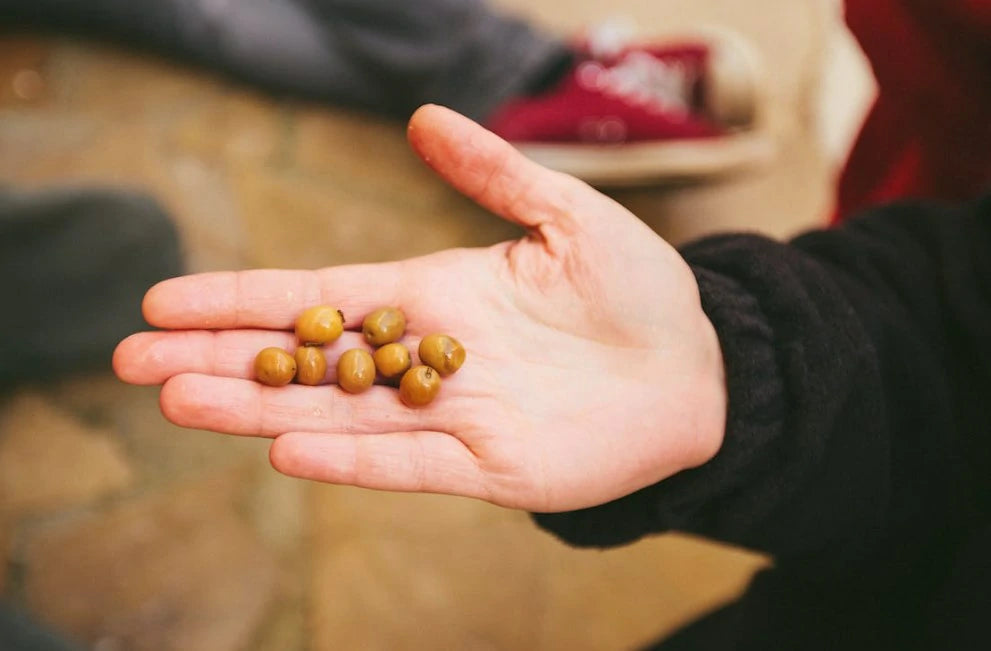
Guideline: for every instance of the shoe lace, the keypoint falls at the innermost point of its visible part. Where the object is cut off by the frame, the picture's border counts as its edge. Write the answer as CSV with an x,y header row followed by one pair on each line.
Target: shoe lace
x,y
609,38
635,76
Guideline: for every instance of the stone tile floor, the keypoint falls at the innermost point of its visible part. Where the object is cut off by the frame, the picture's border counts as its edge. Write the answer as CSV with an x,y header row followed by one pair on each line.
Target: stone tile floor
x,y
125,532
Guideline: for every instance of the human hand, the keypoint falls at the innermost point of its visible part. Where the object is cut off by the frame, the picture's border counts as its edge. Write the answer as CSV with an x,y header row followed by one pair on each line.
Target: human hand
x,y
592,370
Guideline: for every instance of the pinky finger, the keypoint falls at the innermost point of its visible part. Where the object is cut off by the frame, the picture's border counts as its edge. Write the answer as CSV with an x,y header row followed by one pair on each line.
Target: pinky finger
x,y
420,462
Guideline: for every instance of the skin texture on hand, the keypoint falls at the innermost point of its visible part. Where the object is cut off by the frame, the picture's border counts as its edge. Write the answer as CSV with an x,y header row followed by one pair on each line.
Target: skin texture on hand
x,y
591,372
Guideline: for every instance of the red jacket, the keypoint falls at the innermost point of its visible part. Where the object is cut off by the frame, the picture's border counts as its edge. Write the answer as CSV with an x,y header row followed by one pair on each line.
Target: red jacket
x,y
929,133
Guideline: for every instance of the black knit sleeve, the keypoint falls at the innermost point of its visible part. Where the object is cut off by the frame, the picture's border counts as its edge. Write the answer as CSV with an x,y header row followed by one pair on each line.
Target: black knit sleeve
x,y
858,366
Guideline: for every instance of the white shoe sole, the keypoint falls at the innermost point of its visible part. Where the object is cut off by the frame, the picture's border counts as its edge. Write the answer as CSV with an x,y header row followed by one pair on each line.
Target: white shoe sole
x,y
651,163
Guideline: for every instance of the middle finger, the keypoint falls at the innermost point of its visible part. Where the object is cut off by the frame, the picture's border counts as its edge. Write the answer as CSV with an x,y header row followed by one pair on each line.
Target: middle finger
x,y
153,357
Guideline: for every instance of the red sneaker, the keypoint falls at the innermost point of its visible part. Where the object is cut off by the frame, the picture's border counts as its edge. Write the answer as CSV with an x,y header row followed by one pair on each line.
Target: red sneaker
x,y
630,115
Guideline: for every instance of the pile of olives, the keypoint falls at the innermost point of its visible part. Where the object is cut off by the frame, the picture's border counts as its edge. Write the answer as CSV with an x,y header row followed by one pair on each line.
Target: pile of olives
x,y
440,356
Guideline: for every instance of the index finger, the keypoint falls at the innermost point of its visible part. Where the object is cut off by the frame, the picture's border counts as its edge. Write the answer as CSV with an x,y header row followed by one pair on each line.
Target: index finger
x,y
270,298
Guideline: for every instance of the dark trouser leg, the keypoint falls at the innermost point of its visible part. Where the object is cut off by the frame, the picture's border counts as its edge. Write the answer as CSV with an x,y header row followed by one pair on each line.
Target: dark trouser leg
x,y
384,56
74,267
18,633
459,53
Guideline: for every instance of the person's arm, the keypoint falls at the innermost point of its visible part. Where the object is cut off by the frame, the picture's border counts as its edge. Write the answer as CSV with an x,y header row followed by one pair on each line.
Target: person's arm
x,y
601,363
858,366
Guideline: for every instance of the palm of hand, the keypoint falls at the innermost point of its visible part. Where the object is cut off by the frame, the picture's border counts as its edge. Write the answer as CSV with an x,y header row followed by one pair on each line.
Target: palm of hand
x,y
591,371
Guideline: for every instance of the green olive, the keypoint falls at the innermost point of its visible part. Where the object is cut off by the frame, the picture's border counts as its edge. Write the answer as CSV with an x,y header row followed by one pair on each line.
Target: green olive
x,y
356,370
419,386
384,326
392,360
319,325
442,352
274,367
311,365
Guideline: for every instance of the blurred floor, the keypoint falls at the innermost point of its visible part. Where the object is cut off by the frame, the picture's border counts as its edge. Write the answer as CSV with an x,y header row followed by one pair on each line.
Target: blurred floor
x,y
125,532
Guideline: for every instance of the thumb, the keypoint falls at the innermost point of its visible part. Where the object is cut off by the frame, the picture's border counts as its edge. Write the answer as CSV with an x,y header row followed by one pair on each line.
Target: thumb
x,y
491,172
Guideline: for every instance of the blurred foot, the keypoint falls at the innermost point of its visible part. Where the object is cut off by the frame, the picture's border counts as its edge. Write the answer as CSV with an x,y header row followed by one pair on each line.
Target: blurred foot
x,y
18,632
625,114
74,267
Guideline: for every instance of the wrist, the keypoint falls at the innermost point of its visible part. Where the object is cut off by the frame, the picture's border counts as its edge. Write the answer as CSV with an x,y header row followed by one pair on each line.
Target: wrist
x,y
713,397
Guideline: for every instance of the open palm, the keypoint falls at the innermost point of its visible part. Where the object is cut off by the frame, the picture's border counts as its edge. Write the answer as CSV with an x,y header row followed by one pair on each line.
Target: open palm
x,y
591,371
